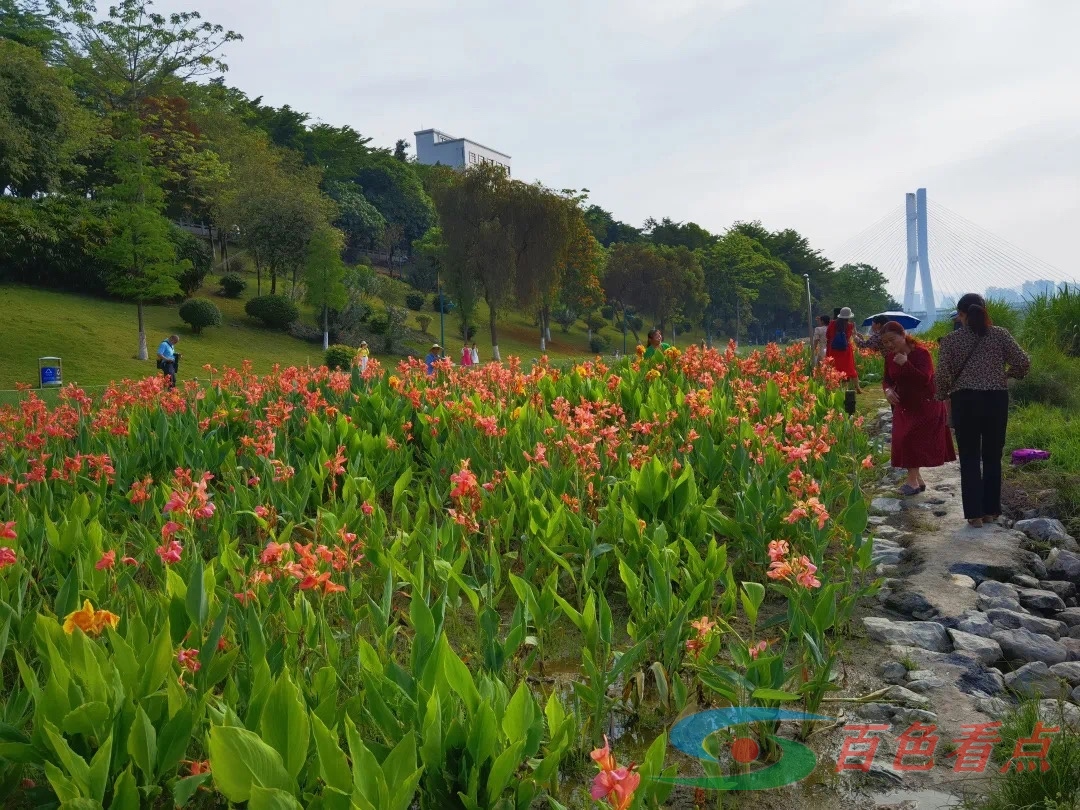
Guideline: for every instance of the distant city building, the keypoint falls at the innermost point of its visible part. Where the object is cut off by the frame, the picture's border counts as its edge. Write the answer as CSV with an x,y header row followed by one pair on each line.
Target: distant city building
x,y
948,302
916,302
1064,286
437,148
1004,294
1033,289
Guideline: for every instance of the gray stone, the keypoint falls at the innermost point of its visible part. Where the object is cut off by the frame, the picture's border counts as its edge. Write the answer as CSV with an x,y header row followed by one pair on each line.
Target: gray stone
x,y
963,580
1058,713
1025,581
905,716
1043,528
996,708
885,531
911,604
1074,631
989,603
1031,562
1069,670
1036,599
1023,645
926,685
1066,590
900,694
1072,647
893,672
1075,696
1063,565
996,590
875,712
1035,680
925,635
886,506
980,571
1071,616
976,623
921,674
984,650
1011,619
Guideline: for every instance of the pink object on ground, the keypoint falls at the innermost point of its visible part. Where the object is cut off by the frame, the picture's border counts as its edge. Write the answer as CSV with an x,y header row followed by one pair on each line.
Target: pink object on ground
x,y
1027,456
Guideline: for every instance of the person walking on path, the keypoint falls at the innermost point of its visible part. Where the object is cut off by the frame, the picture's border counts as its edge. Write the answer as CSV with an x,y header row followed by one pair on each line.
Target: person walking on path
x,y
920,434
974,367
821,342
841,347
475,355
466,355
363,354
168,358
655,343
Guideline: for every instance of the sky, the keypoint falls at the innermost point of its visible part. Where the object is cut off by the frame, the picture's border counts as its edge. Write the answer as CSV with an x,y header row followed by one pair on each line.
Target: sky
x,y
816,115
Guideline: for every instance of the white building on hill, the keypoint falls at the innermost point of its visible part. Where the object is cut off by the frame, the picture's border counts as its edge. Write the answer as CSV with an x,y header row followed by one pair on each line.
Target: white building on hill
x,y
435,147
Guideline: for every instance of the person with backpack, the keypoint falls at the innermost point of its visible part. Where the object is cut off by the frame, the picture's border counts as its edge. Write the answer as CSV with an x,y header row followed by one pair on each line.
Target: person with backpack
x,y
840,346
974,367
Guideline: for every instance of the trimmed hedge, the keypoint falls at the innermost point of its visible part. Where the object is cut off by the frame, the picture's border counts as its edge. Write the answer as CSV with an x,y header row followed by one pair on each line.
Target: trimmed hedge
x,y
199,313
340,357
232,285
275,311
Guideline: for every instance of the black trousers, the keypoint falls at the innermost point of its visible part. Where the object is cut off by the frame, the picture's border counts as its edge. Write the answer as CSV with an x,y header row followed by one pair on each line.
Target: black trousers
x,y
168,368
980,419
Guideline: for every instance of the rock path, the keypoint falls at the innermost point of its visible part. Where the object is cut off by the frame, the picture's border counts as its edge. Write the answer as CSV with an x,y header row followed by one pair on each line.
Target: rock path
x,y
973,620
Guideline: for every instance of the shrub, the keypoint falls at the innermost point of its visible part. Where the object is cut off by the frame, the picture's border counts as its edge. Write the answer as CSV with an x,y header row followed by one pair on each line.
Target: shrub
x,y
340,357
599,344
447,304
199,313
565,318
1054,379
309,333
607,311
423,321
378,324
595,321
275,311
195,250
414,301
467,336
1053,321
232,285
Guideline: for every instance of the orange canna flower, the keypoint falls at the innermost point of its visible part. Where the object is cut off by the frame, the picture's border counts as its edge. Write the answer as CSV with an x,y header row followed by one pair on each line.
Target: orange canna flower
x,y
91,622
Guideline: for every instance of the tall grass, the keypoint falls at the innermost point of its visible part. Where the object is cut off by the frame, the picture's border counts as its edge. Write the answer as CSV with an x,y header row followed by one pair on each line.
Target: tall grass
x,y
1053,322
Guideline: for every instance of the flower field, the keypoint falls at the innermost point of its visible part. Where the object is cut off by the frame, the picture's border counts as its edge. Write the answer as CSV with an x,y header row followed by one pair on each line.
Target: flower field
x,y
392,590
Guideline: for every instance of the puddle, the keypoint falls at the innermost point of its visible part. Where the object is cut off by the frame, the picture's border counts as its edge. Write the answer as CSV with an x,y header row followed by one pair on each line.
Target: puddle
x,y
922,799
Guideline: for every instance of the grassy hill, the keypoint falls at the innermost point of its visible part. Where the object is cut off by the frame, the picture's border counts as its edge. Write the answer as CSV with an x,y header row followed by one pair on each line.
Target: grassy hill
x,y
98,339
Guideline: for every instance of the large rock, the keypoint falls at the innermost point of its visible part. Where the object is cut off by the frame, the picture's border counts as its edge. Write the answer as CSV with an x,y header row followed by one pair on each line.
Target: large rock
x,y
1059,714
886,506
911,604
1035,680
1043,528
1066,590
1063,565
995,708
1071,616
1069,670
983,650
1072,647
924,635
893,672
1025,581
994,590
976,623
989,603
1031,562
1046,601
1011,619
1023,645
898,694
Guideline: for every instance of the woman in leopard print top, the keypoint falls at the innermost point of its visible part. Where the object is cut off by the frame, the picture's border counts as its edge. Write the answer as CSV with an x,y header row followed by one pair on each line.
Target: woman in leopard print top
x,y
974,367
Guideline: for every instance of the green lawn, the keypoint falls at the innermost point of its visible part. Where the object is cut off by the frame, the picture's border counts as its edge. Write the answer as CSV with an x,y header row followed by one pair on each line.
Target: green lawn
x,y
97,339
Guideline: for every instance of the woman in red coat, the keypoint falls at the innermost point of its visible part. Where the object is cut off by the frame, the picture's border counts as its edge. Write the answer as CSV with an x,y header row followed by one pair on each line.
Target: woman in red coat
x,y
920,435
842,351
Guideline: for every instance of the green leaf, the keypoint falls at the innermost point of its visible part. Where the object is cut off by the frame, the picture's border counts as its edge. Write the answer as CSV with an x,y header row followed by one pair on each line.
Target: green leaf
x,y
80,804
125,792
184,789
240,760
772,694
271,799
856,516
156,663
99,770
333,764
285,725
458,676
174,739
503,769
67,598
142,745
196,601
86,719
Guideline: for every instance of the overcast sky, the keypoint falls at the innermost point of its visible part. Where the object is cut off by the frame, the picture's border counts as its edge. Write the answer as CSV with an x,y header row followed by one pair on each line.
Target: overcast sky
x,y
811,114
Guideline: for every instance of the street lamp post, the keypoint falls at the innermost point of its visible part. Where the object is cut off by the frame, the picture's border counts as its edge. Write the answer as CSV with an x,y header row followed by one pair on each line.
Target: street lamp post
x,y
809,315
442,309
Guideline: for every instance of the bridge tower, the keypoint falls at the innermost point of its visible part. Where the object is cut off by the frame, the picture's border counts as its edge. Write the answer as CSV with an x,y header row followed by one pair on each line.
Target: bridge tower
x,y
918,257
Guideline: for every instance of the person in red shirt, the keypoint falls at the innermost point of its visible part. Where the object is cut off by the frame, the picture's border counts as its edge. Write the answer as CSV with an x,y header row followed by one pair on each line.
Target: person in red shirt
x,y
840,346
920,434
466,355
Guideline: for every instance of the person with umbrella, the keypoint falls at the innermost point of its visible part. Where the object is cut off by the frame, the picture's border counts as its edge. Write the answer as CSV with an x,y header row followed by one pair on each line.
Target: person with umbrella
x,y
920,434
872,342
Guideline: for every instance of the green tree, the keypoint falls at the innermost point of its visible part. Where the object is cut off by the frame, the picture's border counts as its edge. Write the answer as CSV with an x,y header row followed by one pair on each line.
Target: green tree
x,y
141,256
25,22
863,288
401,150
395,190
43,128
134,53
665,283
540,231
358,219
324,276
609,230
794,250
678,234
580,291
737,269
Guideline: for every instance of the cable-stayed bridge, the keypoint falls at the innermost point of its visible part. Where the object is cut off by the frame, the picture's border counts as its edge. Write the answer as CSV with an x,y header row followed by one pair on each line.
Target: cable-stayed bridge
x,y
932,255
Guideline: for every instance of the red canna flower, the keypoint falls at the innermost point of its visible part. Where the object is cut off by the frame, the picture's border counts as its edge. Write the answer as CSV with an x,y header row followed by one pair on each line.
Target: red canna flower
x,y
107,561
7,556
188,659
170,552
7,530
129,561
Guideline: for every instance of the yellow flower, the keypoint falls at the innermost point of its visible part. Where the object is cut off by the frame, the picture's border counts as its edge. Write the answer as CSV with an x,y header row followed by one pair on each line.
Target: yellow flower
x,y
516,414
652,375
90,621
395,382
